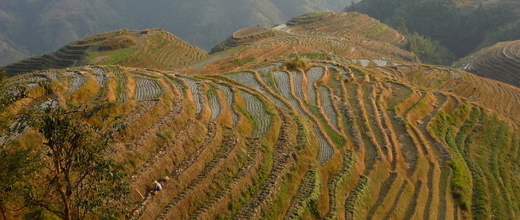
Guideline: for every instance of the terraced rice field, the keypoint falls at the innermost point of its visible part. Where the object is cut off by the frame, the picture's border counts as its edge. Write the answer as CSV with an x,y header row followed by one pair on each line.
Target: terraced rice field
x,y
152,48
329,35
159,49
147,89
331,141
77,81
500,62
348,23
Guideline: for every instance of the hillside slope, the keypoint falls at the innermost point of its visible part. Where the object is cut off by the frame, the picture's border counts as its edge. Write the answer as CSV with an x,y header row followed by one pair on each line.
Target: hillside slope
x,y
299,133
153,48
500,62
409,141
36,27
322,35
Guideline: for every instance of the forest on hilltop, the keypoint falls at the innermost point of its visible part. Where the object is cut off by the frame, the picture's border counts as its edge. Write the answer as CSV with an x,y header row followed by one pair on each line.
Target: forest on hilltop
x,y
461,26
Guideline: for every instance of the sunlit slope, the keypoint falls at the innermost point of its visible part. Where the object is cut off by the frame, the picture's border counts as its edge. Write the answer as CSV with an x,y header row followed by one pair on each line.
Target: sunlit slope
x,y
500,62
348,25
247,36
152,48
333,141
322,35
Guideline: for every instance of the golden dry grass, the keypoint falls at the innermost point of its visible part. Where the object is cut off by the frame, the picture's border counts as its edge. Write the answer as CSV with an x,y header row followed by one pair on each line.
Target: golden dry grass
x,y
407,120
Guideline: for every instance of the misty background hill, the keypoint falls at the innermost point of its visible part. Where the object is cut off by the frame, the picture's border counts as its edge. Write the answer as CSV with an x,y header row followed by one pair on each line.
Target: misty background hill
x,y
31,27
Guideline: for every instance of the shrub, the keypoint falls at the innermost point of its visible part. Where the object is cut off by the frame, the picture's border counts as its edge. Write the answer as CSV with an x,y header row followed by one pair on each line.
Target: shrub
x,y
298,63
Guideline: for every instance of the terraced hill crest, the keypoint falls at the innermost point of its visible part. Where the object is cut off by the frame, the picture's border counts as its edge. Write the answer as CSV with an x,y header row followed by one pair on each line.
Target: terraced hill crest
x,y
152,48
345,26
246,36
352,25
320,35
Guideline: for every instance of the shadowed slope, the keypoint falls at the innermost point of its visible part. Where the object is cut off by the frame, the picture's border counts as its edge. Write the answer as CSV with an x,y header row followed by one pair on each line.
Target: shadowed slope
x,y
500,62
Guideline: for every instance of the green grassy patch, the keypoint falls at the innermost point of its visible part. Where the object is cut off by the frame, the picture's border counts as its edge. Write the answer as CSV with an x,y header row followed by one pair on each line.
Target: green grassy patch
x,y
336,138
109,57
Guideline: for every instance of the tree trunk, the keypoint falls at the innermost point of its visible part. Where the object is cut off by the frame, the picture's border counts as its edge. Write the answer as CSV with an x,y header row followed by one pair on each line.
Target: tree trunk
x,y
2,210
66,204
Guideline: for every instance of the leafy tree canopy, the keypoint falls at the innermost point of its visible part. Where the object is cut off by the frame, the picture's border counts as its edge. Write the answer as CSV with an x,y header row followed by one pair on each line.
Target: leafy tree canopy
x,y
75,177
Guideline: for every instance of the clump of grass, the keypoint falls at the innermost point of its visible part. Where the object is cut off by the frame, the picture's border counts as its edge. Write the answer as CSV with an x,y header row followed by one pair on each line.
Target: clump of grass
x,y
166,135
461,183
298,63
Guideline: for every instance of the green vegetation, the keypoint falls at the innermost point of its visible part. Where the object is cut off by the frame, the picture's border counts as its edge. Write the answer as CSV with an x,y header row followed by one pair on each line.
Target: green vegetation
x,y
81,180
454,27
110,57
444,128
461,183
298,63
428,51
336,138
18,162
76,179
117,43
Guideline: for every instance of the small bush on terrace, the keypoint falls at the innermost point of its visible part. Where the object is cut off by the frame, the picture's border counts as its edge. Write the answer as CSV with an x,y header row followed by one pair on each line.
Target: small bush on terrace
x,y
298,63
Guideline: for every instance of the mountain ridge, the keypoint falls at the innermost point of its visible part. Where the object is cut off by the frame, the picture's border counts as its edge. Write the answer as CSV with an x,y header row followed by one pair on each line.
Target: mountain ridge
x,y
147,48
35,27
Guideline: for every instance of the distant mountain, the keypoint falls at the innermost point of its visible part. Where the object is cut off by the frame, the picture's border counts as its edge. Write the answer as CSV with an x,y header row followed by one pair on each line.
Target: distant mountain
x,y
35,27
